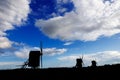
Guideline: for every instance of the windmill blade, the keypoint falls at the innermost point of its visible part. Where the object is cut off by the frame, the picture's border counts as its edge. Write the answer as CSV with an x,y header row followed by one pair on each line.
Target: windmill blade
x,y
41,48
41,53
82,59
82,56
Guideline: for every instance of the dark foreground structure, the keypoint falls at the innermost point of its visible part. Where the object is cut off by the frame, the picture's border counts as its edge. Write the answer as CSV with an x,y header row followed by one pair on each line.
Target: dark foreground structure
x,y
78,72
85,73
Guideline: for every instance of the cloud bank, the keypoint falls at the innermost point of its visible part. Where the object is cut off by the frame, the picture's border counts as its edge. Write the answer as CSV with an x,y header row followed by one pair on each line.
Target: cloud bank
x,y
10,65
87,22
54,51
12,13
102,58
24,52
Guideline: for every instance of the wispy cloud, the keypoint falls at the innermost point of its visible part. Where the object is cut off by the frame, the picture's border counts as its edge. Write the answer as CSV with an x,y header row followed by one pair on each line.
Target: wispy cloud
x,y
12,12
5,42
24,52
102,58
68,43
54,51
62,1
88,21
10,65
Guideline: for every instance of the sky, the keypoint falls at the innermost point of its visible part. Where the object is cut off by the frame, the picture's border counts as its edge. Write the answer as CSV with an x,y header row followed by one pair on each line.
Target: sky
x,y
68,29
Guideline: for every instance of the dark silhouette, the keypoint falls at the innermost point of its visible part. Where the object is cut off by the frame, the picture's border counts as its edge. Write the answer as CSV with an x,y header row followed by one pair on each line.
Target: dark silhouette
x,y
79,72
79,63
34,59
93,63
63,73
25,64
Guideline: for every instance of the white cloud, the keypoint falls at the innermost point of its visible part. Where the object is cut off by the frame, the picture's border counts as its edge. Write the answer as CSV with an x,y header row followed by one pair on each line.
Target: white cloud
x,y
24,52
54,51
62,1
102,58
5,43
89,21
68,43
10,65
62,10
12,12
61,6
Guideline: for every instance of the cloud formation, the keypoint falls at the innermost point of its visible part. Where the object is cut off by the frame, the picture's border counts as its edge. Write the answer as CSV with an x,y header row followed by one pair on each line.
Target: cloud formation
x,y
89,21
54,51
10,65
5,43
12,12
68,43
24,52
102,58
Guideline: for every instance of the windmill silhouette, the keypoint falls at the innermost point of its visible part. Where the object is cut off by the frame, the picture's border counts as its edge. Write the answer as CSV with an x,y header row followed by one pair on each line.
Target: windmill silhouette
x,y
79,62
35,59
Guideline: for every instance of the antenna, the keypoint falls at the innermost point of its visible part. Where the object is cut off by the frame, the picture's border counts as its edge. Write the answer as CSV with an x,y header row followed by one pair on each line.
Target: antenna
x,y
41,53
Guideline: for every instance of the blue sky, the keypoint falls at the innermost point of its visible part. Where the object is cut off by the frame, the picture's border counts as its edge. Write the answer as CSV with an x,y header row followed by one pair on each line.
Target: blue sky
x,y
67,28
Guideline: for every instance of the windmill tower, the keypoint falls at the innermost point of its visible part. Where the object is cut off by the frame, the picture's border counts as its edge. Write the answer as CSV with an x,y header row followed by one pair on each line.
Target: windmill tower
x,y
35,59
79,62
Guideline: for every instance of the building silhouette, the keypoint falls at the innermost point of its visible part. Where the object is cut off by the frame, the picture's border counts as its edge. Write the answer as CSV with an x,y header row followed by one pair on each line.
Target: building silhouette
x,y
33,60
93,63
79,63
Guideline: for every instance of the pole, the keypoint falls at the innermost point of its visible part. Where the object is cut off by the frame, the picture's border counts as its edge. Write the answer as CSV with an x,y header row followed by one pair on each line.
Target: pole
x,y
41,53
